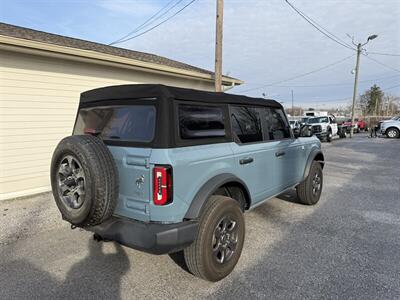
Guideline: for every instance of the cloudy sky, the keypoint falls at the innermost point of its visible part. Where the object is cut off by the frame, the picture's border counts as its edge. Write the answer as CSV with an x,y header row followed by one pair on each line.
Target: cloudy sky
x,y
265,42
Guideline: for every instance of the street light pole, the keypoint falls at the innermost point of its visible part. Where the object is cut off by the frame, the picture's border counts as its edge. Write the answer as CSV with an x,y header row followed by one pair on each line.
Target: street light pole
x,y
359,49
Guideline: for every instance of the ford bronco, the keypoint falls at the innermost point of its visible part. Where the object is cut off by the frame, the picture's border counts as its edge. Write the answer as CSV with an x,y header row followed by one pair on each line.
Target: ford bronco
x,y
164,169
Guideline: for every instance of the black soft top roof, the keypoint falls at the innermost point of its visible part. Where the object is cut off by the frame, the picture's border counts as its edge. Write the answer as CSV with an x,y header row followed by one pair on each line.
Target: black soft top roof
x,y
135,91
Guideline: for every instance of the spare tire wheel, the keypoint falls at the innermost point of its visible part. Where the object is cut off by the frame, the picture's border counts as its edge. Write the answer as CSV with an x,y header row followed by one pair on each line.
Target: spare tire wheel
x,y
84,180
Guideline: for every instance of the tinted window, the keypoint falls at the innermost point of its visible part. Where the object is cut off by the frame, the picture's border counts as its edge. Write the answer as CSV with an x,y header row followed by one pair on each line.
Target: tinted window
x,y
201,121
276,124
246,124
128,123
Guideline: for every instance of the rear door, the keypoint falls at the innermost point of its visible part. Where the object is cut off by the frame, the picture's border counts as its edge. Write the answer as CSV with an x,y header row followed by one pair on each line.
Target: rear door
x,y
254,157
128,130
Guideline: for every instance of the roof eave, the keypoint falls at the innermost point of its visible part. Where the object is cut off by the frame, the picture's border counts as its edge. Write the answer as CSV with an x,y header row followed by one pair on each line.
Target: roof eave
x,y
53,48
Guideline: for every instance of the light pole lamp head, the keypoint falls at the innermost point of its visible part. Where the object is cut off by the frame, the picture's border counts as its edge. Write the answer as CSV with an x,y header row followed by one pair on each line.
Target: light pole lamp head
x,y
371,37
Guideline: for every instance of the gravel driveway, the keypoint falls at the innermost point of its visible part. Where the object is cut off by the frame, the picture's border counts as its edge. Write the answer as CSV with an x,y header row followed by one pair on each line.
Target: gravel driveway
x,y
347,246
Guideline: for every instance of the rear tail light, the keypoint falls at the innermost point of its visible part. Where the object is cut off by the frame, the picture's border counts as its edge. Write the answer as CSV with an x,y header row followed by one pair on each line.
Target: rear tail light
x,y
162,181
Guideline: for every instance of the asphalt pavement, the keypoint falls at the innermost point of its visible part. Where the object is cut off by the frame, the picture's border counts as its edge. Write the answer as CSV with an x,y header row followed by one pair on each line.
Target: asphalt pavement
x,y
345,247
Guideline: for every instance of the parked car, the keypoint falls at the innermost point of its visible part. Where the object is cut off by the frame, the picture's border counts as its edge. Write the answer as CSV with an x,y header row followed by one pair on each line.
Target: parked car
x,y
325,128
390,128
164,169
349,124
361,124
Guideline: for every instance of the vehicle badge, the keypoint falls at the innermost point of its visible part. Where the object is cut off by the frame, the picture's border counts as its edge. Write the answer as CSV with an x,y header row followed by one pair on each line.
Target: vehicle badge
x,y
140,181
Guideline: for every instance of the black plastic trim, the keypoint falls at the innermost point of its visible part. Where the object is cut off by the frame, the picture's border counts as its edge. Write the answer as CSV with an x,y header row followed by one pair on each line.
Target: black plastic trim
x,y
208,189
310,159
155,238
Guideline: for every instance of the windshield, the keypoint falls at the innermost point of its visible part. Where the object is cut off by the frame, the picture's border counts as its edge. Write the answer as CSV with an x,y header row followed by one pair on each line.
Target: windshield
x,y
318,120
304,120
292,122
124,122
396,118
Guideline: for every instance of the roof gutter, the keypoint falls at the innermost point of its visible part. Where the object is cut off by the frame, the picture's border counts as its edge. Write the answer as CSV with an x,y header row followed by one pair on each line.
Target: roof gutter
x,y
12,43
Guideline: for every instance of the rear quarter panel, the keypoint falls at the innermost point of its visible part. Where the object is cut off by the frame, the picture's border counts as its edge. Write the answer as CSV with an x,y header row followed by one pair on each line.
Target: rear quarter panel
x,y
192,166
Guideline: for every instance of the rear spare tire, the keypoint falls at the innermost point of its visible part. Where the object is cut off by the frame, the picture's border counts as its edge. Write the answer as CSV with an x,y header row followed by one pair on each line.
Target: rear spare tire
x,y
84,180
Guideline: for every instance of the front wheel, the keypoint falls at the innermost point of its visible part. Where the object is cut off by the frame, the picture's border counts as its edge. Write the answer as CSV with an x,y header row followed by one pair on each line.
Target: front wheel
x,y
309,191
392,133
219,242
329,137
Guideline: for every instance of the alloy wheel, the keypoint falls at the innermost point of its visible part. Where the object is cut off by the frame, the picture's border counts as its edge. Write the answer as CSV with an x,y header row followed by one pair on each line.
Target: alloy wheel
x,y
71,182
392,133
225,239
316,184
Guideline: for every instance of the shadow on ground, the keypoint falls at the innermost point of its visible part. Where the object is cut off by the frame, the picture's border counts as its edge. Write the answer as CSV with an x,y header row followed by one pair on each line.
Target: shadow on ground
x,y
98,275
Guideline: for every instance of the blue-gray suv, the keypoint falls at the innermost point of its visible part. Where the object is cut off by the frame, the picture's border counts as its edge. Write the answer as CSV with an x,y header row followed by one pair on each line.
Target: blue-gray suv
x,y
164,169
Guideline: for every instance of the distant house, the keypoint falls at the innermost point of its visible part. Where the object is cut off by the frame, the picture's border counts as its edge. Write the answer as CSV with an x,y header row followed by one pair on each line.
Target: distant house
x,y
41,77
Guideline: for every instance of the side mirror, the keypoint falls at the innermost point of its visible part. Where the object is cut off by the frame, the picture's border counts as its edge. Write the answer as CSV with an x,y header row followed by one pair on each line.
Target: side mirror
x,y
306,131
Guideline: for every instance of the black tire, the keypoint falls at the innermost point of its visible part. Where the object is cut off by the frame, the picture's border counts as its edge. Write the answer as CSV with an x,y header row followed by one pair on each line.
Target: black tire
x,y
199,256
329,136
84,180
392,133
306,191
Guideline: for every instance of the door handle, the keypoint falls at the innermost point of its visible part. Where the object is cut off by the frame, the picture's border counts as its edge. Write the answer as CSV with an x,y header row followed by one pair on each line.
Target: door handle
x,y
280,153
246,160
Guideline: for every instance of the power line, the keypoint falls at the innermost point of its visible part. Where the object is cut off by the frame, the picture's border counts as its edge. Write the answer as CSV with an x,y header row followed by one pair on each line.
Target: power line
x,y
322,101
392,87
319,27
159,24
150,20
300,75
381,63
380,53
333,84
340,99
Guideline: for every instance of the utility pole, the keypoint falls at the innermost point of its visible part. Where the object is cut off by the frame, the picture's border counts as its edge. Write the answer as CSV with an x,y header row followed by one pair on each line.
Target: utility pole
x,y
359,49
293,105
355,88
218,46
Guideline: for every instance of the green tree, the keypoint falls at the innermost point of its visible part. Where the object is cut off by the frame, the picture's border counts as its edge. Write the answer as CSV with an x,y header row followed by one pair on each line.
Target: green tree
x,y
371,101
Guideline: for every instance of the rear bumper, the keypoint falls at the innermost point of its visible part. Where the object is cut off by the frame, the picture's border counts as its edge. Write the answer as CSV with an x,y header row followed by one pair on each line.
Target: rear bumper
x,y
153,238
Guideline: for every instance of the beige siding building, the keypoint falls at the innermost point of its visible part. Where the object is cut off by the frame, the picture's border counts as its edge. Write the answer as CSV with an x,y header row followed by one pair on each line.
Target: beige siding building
x,y
41,78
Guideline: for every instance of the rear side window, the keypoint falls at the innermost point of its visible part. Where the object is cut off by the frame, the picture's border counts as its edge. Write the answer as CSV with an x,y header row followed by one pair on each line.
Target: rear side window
x,y
134,123
200,121
246,124
276,124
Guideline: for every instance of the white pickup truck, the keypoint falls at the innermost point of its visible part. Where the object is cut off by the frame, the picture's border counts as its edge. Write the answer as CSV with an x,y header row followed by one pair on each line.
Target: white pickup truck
x,y
325,128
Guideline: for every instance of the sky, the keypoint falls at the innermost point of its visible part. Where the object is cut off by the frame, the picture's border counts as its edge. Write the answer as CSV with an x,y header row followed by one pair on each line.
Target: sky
x,y
265,42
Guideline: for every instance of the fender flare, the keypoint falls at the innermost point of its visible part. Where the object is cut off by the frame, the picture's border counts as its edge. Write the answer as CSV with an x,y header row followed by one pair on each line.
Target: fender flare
x,y
208,189
311,158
